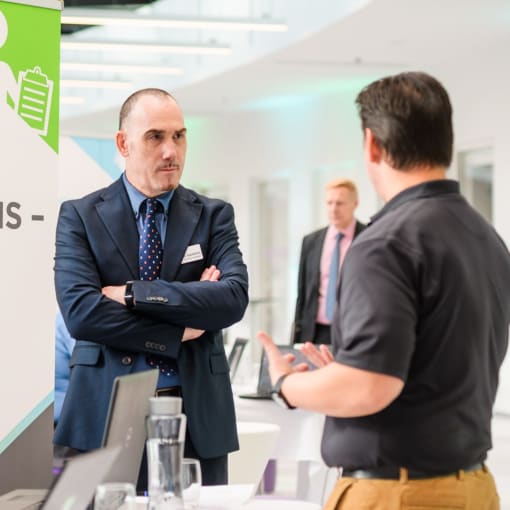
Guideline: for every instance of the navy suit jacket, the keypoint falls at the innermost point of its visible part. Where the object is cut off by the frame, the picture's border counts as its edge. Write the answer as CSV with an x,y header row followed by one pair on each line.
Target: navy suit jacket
x,y
307,302
97,246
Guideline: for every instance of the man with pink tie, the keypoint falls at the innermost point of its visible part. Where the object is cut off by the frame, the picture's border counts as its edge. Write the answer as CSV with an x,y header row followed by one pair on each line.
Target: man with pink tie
x,y
322,254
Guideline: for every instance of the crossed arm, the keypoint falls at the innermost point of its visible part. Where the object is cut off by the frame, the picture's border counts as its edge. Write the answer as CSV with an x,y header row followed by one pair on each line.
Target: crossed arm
x,y
117,293
86,255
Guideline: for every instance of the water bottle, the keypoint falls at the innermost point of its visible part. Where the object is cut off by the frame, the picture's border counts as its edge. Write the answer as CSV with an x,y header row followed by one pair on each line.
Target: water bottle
x,y
166,429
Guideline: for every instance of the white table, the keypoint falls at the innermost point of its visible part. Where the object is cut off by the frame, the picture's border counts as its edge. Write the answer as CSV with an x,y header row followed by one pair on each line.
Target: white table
x,y
237,497
256,445
300,431
299,440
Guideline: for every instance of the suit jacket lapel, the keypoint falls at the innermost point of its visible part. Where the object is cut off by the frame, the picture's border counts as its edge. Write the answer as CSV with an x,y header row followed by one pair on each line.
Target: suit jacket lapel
x,y
182,221
316,255
115,212
359,228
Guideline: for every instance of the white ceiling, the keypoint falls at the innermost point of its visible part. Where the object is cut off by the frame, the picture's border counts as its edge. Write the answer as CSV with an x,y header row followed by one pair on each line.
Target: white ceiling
x,y
362,40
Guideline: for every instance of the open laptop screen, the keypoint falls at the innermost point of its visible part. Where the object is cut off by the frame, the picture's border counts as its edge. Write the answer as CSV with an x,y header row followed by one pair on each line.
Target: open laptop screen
x,y
234,357
125,422
72,489
264,382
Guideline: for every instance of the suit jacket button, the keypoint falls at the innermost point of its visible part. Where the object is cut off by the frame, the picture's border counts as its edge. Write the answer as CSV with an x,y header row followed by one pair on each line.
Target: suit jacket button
x,y
127,360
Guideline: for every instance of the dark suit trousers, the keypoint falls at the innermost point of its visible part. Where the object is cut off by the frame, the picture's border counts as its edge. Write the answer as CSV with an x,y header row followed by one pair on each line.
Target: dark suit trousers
x,y
322,334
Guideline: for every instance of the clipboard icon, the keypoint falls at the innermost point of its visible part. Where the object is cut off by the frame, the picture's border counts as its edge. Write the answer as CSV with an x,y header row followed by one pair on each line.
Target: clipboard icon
x,y
34,101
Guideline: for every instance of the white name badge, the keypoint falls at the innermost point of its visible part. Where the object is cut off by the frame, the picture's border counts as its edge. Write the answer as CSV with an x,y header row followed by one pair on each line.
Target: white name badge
x,y
193,252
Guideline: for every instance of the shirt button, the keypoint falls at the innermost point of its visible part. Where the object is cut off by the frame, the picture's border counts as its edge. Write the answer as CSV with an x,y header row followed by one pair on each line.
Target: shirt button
x,y
127,360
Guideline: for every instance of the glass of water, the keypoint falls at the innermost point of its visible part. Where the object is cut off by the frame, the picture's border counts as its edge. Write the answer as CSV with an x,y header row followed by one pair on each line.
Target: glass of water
x,y
115,496
191,483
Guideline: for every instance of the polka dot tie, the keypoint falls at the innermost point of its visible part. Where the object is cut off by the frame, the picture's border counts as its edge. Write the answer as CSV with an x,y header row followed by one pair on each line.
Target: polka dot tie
x,y
150,254
150,258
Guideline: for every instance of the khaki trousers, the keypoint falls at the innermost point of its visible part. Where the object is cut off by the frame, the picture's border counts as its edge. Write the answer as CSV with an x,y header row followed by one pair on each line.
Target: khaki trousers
x,y
474,490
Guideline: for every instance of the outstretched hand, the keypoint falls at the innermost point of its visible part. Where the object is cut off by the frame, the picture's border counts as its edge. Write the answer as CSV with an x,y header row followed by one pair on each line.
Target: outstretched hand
x,y
279,364
320,356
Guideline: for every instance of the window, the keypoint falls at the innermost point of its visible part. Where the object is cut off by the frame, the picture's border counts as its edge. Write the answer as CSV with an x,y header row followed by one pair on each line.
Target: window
x,y
476,178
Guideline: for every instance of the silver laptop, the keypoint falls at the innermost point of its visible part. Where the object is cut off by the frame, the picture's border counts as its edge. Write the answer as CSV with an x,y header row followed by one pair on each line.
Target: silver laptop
x,y
264,385
72,490
234,357
124,434
125,422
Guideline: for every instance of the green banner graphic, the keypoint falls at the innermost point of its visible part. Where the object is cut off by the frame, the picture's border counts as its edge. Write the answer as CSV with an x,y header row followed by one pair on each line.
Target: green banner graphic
x,y
29,66
29,140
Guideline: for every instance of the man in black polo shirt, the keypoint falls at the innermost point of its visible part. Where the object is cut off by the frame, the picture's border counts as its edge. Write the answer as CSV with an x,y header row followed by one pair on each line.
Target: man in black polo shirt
x,y
421,328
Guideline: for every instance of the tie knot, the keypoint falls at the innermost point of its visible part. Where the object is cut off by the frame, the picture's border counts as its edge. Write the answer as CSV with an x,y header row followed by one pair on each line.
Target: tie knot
x,y
339,236
152,206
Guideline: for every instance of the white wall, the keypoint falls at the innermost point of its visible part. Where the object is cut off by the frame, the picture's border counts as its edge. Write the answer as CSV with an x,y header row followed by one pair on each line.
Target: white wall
x,y
308,143
479,90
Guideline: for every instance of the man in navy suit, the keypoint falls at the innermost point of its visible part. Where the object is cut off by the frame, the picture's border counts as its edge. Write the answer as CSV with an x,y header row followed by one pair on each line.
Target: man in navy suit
x,y
126,322
311,320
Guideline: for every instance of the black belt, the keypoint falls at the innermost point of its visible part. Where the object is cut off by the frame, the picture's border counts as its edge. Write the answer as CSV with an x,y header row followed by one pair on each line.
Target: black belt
x,y
172,391
393,473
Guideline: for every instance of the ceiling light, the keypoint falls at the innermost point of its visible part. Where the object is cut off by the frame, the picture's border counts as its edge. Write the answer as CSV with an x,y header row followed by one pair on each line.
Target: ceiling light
x,y
189,49
96,84
120,68
128,18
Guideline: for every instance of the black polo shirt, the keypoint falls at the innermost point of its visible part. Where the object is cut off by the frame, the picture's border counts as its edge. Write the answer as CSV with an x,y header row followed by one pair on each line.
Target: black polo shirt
x,y
425,297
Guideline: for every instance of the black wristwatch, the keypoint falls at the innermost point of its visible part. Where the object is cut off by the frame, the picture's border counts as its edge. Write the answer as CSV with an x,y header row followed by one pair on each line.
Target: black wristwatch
x,y
129,297
278,396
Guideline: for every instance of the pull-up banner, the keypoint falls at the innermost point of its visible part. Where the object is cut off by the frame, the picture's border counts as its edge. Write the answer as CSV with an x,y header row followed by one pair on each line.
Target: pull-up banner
x,y
29,101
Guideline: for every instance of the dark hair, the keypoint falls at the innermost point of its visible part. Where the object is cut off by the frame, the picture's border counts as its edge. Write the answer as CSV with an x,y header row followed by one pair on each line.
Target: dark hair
x,y
130,102
410,116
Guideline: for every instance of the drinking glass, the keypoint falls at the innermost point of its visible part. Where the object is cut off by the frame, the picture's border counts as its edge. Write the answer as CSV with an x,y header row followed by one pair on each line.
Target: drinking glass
x,y
115,496
191,483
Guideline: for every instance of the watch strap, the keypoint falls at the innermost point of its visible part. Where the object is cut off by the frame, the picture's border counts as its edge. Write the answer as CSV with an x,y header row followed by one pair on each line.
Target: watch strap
x,y
129,297
277,390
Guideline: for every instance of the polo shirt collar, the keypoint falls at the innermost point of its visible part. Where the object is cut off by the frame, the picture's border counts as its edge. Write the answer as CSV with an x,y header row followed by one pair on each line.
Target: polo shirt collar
x,y
423,190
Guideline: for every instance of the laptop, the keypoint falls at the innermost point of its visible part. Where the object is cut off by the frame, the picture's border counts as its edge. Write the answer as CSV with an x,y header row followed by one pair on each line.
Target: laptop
x,y
125,422
72,490
124,433
234,357
264,385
